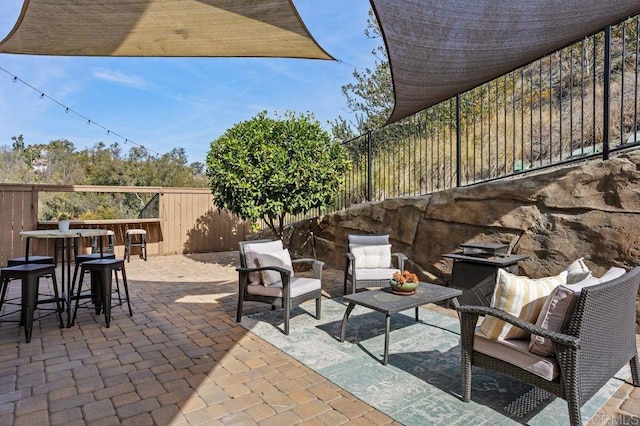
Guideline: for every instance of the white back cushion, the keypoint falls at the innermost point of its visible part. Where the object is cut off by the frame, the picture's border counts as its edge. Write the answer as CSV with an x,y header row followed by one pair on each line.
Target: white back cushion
x,y
250,252
370,256
577,271
281,259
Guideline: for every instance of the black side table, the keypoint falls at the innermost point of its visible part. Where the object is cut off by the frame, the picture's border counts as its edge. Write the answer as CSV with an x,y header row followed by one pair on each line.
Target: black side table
x,y
476,275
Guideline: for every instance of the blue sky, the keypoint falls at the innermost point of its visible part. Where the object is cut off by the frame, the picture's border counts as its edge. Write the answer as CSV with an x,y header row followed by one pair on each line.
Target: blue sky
x,y
163,103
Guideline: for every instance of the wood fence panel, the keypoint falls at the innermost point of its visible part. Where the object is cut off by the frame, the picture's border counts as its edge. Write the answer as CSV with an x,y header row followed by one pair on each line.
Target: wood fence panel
x,y
188,222
17,213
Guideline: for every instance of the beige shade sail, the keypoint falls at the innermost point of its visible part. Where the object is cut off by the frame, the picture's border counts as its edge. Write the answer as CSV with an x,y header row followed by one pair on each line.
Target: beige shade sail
x,y
439,48
183,28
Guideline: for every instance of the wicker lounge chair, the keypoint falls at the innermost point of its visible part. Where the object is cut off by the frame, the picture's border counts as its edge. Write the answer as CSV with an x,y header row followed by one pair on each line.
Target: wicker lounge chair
x,y
374,251
599,340
284,290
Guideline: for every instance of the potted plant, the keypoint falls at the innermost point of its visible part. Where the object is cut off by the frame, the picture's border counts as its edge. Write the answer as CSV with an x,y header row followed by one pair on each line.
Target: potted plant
x,y
404,283
64,220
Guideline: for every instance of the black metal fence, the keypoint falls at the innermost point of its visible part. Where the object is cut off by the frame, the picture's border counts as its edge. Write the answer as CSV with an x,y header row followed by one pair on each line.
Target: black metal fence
x,y
577,102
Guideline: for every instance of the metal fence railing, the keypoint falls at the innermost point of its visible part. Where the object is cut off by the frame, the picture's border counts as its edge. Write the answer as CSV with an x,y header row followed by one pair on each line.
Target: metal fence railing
x,y
577,102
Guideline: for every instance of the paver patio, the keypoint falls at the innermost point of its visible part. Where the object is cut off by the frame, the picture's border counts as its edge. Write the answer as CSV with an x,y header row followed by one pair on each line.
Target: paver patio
x,y
182,360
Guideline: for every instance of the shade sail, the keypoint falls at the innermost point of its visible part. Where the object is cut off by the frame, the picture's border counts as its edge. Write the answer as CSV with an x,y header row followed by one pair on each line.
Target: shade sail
x,y
439,48
189,28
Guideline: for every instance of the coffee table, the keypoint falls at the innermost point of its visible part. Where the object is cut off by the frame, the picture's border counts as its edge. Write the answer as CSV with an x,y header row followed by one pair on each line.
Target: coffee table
x,y
383,300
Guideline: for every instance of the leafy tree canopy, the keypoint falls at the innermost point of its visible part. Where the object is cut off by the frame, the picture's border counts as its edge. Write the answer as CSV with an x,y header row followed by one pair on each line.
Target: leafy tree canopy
x,y
370,97
266,168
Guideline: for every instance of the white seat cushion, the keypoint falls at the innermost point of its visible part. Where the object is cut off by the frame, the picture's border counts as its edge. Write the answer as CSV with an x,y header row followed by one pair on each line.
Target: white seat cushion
x,y
375,274
299,286
516,352
250,252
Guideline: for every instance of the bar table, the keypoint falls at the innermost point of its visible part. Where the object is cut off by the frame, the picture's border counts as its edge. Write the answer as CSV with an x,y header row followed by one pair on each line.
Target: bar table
x,y
68,241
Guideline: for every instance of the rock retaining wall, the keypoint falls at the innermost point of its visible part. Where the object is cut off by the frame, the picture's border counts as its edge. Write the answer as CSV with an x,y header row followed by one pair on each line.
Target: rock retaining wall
x,y
589,209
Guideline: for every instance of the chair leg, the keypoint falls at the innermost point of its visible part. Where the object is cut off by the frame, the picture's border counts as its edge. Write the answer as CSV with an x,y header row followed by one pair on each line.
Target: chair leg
x,y
73,280
318,307
239,310
126,290
96,281
466,375
127,248
29,300
5,284
59,303
635,370
106,276
575,418
287,315
118,288
467,325
144,247
75,310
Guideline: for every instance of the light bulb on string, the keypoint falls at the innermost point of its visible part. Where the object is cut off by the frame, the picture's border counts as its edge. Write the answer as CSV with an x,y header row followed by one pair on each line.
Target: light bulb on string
x,y
16,79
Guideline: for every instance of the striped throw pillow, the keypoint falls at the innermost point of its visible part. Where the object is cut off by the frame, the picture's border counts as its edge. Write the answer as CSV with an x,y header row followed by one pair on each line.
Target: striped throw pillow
x,y
519,296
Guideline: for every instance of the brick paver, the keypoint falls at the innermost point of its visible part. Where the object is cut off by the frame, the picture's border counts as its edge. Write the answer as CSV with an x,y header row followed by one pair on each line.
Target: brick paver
x,y
181,360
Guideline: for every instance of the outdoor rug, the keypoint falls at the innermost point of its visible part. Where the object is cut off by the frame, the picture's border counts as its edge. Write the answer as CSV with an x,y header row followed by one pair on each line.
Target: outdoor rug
x,y
421,384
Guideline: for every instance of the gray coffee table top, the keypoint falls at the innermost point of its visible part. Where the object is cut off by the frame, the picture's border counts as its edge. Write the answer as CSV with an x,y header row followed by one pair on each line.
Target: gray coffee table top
x,y
383,300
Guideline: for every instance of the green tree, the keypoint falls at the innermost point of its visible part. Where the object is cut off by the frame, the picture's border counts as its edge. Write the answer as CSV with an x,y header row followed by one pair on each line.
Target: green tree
x,y
371,96
266,168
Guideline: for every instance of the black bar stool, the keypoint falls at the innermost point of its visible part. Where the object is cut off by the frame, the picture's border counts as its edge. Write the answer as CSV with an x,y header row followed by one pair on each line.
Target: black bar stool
x,y
80,259
30,275
102,273
131,241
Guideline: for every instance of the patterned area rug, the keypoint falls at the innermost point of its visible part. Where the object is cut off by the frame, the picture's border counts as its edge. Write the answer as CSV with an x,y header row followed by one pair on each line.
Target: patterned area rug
x,y
421,383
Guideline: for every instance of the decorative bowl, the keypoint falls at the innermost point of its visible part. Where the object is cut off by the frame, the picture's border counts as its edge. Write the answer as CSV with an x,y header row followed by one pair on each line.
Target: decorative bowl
x,y
408,287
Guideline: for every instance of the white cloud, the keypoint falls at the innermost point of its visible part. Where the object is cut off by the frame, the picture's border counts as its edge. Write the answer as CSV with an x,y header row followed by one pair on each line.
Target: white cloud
x,y
121,78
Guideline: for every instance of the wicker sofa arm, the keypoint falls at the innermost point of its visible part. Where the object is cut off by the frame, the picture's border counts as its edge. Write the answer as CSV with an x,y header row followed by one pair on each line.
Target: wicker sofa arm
x,y
559,338
317,266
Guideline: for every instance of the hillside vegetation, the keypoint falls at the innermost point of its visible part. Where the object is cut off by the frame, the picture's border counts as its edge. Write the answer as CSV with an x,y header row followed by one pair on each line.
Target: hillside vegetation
x,y
59,163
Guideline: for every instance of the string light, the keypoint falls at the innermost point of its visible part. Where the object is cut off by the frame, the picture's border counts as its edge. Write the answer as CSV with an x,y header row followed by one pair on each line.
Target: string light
x,y
16,79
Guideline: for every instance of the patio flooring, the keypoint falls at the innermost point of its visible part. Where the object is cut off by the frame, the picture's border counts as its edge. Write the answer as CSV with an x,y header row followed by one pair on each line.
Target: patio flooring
x,y
182,360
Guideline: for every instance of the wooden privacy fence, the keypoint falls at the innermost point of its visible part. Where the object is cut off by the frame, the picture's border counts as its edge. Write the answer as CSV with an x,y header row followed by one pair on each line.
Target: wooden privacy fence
x,y
187,221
